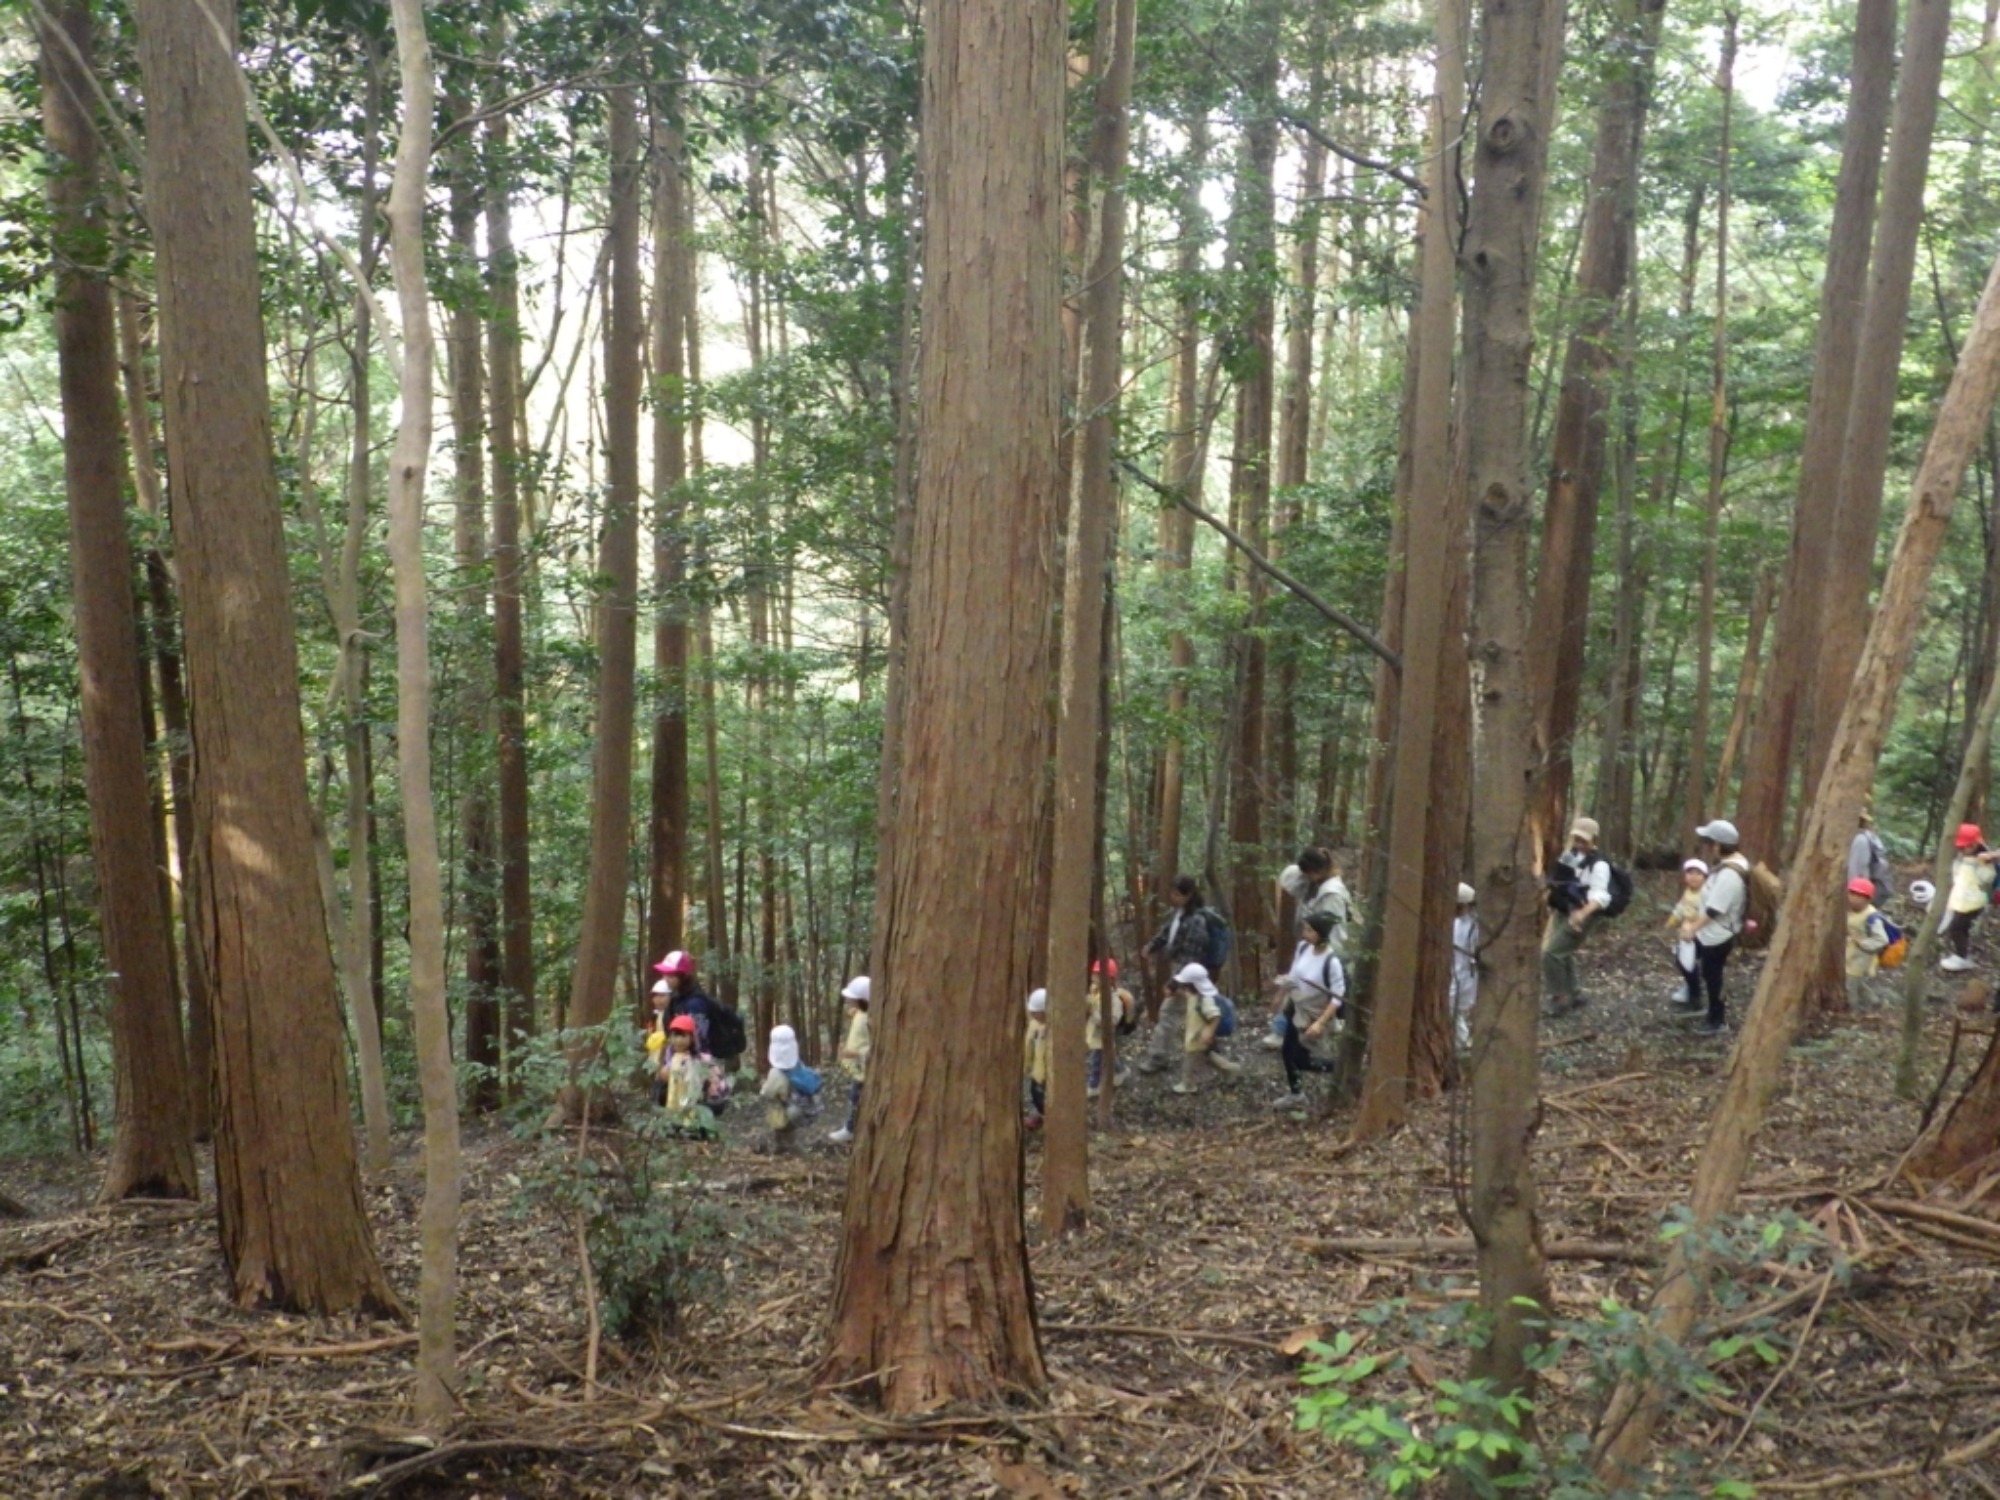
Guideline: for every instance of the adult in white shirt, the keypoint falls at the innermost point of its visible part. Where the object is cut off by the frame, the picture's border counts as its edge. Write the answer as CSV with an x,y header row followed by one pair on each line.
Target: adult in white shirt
x,y
1312,994
1579,890
1725,898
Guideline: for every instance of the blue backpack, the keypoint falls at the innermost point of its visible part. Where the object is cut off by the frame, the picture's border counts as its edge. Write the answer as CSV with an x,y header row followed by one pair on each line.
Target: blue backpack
x,y
804,1079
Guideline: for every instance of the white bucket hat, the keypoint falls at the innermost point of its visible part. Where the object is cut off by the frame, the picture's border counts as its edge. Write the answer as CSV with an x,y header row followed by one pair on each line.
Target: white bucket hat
x,y
1038,1002
1699,866
784,1048
1196,977
1466,894
855,988
663,987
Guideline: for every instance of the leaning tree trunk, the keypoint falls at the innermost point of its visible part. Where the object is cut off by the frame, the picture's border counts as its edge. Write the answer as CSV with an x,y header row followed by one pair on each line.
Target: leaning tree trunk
x,y
601,927
1433,552
409,463
1518,43
1786,705
152,1152
1757,1066
1079,790
288,1192
931,1299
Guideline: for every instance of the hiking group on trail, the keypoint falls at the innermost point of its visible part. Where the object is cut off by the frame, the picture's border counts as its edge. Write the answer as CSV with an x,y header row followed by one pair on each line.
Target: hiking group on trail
x,y
696,1042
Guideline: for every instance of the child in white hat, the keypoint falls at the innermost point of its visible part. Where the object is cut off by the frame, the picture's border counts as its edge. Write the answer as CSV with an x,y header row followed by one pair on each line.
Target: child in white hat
x,y
1035,1058
854,1050
1203,1027
1684,921
790,1091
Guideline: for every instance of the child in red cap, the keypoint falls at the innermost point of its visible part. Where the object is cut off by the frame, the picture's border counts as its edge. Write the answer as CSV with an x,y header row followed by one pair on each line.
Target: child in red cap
x,y
1971,894
1867,935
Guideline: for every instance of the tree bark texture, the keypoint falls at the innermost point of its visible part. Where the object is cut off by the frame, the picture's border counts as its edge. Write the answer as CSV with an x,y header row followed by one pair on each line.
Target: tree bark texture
x,y
1434,537
931,1294
1519,42
1878,364
1757,1064
1561,619
409,463
602,924
152,1153
294,1233
1079,789
1767,765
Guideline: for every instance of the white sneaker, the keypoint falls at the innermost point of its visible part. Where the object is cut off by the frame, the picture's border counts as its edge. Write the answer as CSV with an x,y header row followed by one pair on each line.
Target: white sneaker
x,y
1271,1042
1182,1088
1951,963
841,1136
1289,1102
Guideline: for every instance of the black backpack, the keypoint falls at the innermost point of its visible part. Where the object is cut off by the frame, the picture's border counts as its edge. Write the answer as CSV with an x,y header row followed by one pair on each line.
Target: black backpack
x,y
1220,942
726,1037
1621,889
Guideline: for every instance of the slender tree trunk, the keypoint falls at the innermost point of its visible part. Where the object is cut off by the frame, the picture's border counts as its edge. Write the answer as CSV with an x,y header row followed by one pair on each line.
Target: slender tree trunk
x,y
931,1295
1181,472
437,1224
517,943
475,697
1746,685
1433,552
1617,764
672,290
1695,813
601,926
1561,618
1253,233
152,1153
1767,766
1518,45
1079,789
1757,1065
293,1229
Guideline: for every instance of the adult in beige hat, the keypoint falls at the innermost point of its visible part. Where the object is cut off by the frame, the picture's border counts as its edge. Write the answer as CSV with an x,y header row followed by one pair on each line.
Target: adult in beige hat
x,y
1579,890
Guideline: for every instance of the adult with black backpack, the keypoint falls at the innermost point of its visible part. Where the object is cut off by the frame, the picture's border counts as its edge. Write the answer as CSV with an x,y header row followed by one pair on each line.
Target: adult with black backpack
x,y
718,1028
1584,888
1191,934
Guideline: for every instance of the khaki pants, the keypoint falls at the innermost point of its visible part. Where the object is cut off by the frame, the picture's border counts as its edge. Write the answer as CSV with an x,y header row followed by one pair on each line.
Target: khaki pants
x,y
1165,1042
1559,945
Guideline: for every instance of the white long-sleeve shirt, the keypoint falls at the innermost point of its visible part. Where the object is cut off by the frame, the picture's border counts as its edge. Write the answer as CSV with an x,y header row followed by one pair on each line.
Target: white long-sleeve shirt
x,y
1725,897
1593,873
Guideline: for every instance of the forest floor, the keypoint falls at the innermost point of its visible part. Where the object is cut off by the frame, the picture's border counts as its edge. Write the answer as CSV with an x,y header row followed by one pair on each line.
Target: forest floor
x,y
126,1371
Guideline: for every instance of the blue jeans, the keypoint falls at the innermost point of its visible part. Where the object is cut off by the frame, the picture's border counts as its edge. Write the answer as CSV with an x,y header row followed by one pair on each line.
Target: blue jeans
x,y
853,1104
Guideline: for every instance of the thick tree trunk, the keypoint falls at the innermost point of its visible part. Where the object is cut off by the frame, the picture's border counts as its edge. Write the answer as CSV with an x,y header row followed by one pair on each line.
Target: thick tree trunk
x,y
1757,1065
480,907
1518,44
517,943
1618,760
1561,620
1695,811
163,627
1079,789
672,290
289,1196
931,1294
1963,1141
1786,706
600,929
1434,541
1878,363
409,463
152,1153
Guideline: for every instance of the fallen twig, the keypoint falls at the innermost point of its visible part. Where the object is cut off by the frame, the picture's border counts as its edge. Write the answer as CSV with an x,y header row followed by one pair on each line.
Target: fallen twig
x,y
241,1348
1955,1458
1190,1335
1798,1348
389,1476
1463,1244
